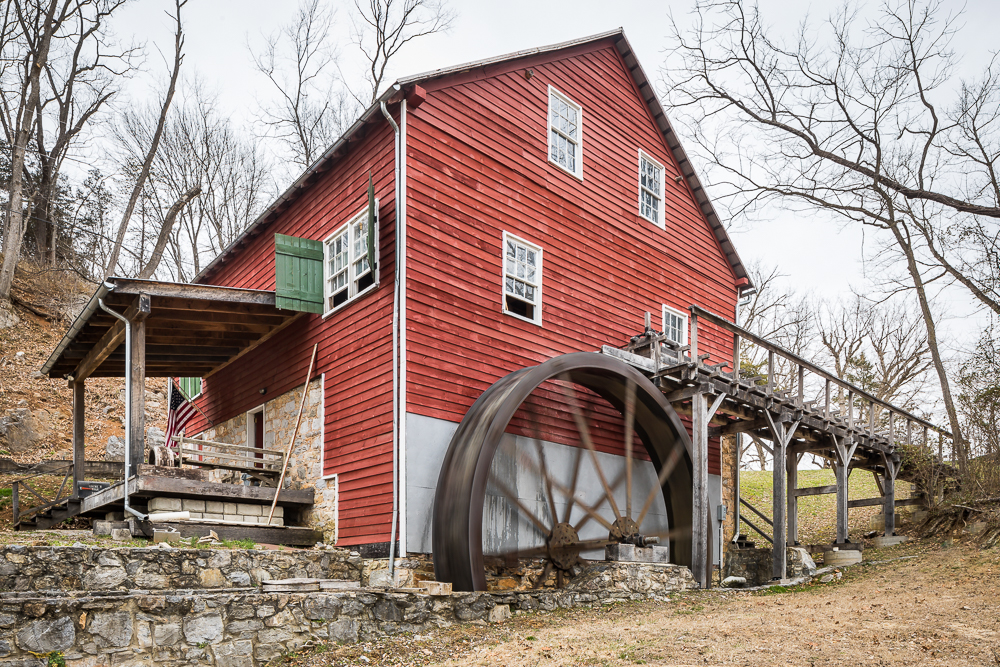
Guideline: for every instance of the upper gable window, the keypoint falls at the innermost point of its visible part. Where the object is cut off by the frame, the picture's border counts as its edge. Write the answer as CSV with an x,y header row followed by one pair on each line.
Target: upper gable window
x,y
346,271
675,325
522,279
650,189
565,133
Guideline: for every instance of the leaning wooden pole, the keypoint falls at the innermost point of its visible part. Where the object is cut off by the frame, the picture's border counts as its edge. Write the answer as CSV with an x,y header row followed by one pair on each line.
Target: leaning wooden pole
x,y
295,434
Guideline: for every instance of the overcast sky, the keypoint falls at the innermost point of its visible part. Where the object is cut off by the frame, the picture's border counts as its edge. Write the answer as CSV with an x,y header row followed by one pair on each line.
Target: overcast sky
x,y
819,256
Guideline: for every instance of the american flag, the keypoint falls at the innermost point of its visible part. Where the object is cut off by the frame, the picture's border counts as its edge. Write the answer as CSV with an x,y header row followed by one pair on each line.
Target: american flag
x,y
179,411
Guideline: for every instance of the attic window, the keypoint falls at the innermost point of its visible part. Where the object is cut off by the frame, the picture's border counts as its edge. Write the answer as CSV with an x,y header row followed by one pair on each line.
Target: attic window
x,y
565,133
650,189
522,279
347,273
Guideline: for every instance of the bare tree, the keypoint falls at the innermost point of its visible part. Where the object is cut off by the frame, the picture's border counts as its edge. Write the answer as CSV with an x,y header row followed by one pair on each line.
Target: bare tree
x,y
383,27
154,144
313,106
26,34
845,121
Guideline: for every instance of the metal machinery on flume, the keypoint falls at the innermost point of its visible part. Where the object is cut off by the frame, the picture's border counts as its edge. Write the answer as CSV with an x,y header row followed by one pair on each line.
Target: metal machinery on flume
x,y
530,399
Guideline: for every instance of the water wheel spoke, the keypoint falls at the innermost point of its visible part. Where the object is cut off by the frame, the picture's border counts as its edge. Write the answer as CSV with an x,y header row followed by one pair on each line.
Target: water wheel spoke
x,y
584,430
589,510
629,436
668,467
512,498
586,517
571,498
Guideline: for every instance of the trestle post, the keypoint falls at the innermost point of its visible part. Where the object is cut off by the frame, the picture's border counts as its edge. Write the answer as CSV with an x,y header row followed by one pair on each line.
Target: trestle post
x,y
701,525
844,449
782,435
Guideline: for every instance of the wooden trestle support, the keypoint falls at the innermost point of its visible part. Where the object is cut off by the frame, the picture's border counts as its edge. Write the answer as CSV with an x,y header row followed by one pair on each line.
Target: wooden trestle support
x,y
724,403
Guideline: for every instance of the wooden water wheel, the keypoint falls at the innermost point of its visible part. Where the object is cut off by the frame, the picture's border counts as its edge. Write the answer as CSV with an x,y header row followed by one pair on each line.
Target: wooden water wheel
x,y
572,499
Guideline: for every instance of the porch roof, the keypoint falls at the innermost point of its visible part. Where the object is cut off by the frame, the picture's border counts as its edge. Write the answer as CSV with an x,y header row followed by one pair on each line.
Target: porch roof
x,y
190,330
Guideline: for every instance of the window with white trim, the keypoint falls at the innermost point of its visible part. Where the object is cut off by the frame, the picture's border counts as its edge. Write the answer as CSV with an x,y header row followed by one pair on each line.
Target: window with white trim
x,y
565,133
346,272
675,325
650,189
522,279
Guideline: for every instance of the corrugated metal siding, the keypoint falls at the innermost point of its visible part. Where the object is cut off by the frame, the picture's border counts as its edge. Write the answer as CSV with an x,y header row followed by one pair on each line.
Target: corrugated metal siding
x,y
477,166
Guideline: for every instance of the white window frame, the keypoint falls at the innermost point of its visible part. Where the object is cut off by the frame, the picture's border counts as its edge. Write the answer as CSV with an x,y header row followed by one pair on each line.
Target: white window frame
x,y
661,223
684,327
352,280
578,173
537,304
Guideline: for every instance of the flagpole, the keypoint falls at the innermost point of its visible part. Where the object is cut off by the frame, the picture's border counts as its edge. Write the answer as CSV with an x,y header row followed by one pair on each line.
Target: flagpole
x,y
191,401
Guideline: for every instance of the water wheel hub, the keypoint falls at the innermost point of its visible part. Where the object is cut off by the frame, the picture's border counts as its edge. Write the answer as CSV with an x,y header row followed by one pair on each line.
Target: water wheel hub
x,y
624,530
563,546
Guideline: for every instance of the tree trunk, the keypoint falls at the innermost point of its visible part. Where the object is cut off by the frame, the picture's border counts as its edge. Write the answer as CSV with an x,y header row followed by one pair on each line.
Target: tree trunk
x,y
168,224
932,342
16,221
147,163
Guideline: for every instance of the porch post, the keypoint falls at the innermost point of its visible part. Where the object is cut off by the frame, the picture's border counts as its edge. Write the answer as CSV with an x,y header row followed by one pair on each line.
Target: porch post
x,y
840,470
779,506
79,454
137,392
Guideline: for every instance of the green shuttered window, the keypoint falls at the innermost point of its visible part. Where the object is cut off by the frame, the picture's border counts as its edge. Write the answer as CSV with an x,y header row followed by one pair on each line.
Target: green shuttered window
x,y
298,273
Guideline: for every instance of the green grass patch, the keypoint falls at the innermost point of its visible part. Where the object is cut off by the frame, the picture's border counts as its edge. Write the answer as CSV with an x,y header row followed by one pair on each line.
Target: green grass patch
x,y
817,514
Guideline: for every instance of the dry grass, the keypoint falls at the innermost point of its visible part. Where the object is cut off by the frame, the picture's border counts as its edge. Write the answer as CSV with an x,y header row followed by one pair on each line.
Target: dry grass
x,y
936,609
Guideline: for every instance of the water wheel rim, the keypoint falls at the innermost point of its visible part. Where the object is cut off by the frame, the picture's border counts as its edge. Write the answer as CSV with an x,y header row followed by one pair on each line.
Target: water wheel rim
x,y
459,497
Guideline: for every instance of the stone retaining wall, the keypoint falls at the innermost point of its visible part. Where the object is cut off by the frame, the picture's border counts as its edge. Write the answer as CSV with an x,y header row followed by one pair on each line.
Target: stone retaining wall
x,y
240,629
97,569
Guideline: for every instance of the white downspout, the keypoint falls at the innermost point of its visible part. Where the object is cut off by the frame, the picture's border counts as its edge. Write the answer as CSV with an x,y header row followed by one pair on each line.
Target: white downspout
x,y
396,299
128,401
403,403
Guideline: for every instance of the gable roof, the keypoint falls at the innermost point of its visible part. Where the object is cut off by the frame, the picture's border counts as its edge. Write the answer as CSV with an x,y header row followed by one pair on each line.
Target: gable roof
x,y
373,113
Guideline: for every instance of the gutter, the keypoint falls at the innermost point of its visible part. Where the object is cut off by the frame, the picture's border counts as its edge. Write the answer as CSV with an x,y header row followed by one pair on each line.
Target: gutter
x,y
398,331
128,402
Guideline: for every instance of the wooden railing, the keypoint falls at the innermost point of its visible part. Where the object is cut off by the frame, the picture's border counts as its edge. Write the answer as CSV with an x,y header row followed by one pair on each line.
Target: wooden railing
x,y
857,399
44,501
264,464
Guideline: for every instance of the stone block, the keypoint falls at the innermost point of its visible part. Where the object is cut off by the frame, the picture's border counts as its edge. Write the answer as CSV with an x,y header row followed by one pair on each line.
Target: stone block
x,y
210,516
196,515
890,541
247,509
114,516
166,634
165,505
47,635
115,627
500,613
279,511
165,536
620,552
275,521
232,517
203,629
436,587
841,557
214,507
193,505
121,534
250,519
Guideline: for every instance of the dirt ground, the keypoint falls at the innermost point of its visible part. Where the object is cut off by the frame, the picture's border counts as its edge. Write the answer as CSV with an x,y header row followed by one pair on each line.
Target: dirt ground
x,y
923,604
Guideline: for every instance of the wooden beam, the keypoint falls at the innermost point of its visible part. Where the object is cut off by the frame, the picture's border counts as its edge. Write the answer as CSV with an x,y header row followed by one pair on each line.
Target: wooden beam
x,y
815,490
137,390
792,470
700,525
109,342
687,393
738,427
190,291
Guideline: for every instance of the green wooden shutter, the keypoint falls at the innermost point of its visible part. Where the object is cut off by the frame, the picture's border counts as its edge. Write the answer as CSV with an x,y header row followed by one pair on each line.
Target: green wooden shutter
x,y
190,387
298,274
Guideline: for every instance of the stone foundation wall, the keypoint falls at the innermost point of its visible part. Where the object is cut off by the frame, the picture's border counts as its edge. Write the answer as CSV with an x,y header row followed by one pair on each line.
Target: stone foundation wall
x,y
305,466
90,569
237,629
755,565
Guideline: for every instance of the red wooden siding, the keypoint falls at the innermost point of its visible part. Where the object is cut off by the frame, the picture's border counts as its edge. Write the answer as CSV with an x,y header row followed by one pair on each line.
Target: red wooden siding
x,y
477,166
355,343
